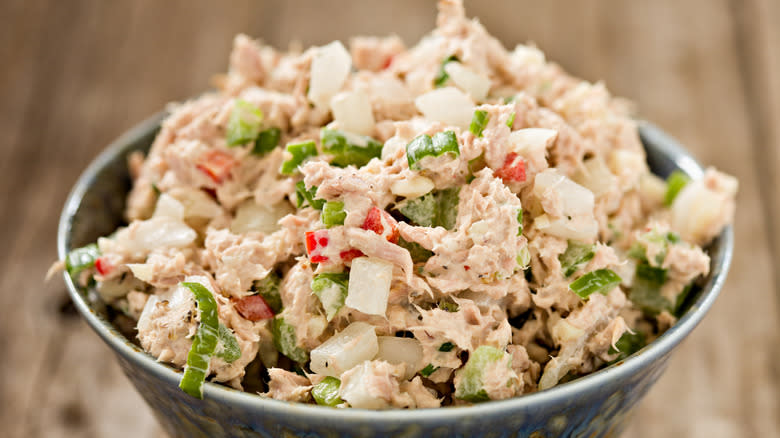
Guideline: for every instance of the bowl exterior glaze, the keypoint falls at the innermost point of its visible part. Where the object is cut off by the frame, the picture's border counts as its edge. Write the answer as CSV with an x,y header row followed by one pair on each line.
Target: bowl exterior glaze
x,y
598,405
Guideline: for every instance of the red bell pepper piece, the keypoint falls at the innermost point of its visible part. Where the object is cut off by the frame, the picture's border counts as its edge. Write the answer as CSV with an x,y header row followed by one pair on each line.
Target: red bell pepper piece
x,y
103,266
513,168
380,222
348,255
216,164
254,308
388,62
316,241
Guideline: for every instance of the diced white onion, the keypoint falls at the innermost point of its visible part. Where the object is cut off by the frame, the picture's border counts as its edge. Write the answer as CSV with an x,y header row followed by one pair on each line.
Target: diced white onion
x,y
110,290
316,325
629,166
473,83
251,216
478,230
142,271
355,344
157,232
413,187
197,204
358,391
575,220
652,188
329,69
528,55
169,207
448,105
626,270
531,139
563,332
406,351
369,285
695,211
595,176
584,229
623,160
575,199
352,111
393,147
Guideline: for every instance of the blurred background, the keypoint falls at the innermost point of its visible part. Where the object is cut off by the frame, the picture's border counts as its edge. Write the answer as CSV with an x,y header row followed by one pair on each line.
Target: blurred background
x,y
75,74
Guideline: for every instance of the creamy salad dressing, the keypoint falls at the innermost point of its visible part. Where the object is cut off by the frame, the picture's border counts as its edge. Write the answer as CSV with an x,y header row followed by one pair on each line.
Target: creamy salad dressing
x,y
384,227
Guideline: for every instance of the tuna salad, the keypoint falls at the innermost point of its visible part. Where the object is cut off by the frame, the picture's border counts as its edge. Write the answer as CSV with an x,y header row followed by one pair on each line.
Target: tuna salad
x,y
376,226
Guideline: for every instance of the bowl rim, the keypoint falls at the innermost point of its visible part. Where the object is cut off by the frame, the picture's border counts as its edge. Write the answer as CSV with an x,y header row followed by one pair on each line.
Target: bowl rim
x,y
649,133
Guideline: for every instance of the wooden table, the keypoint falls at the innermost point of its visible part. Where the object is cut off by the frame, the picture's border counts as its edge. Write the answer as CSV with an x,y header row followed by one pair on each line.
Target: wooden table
x,y
77,73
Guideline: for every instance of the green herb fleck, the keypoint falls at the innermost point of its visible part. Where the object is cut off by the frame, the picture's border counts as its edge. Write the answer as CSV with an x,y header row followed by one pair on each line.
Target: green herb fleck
x,y
478,122
600,280
441,76
300,152
674,184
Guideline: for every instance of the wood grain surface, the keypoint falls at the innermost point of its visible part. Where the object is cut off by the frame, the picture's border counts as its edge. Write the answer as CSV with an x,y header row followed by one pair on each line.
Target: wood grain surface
x,y
76,73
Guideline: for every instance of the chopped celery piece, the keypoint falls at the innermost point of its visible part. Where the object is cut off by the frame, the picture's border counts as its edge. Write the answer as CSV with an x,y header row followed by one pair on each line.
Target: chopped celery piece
x,y
471,386
80,259
628,344
204,343
446,347
524,257
227,348
652,274
441,76
347,153
511,121
680,301
421,211
428,370
600,280
577,254
436,209
267,140
326,393
426,146
331,289
416,251
478,122
333,213
244,123
303,195
300,152
448,306
674,183
638,249
646,289
286,342
520,221
448,207
268,288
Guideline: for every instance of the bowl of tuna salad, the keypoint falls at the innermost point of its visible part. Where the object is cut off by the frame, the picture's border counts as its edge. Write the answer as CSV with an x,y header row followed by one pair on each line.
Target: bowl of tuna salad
x,y
374,240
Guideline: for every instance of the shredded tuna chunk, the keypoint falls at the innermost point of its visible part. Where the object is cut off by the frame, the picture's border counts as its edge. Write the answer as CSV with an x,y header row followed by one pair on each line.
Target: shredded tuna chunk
x,y
288,386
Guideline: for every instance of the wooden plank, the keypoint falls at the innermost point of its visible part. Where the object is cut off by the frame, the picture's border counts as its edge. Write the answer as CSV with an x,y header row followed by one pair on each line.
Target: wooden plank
x,y
684,75
758,42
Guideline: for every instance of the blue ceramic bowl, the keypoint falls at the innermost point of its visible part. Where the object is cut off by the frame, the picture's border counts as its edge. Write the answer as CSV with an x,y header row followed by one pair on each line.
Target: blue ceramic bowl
x,y
593,406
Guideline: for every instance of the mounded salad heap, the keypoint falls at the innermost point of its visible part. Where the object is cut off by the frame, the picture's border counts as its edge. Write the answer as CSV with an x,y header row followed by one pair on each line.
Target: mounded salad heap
x,y
389,228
